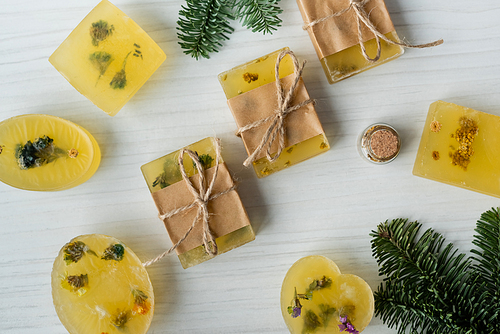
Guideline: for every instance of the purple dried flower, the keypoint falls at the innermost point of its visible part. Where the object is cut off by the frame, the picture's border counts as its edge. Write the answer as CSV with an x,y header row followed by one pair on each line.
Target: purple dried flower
x,y
347,326
296,312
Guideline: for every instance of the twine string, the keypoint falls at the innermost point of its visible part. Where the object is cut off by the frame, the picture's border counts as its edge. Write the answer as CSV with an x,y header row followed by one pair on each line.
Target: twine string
x,y
363,18
201,198
277,128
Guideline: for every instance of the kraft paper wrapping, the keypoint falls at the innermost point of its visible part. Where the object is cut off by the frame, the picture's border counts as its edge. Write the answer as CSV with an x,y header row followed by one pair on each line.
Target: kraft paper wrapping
x,y
339,33
262,102
227,213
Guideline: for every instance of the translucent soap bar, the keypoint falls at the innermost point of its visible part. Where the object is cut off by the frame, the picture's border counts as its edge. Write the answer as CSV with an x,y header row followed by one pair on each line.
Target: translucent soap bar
x,y
164,172
255,74
317,298
46,153
348,62
100,286
460,146
107,57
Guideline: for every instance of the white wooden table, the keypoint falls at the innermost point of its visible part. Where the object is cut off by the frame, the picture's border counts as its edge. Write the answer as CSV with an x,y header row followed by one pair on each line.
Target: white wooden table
x,y
327,205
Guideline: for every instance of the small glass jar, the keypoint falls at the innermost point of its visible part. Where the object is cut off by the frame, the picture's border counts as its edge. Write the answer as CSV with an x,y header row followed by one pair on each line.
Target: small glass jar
x,y
379,143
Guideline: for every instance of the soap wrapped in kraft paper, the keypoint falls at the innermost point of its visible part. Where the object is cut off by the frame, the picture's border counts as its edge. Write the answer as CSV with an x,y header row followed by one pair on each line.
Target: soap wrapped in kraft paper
x,y
276,118
197,200
351,36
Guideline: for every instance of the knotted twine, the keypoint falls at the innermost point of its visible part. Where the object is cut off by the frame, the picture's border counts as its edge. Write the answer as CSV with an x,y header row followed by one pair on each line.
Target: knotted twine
x,y
363,17
277,128
201,199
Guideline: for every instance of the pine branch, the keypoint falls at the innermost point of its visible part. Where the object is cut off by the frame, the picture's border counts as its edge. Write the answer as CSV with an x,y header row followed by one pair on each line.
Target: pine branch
x,y
428,288
203,25
259,15
487,268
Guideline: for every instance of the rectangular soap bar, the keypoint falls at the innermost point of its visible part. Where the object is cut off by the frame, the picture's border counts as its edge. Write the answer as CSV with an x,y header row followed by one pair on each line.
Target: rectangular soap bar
x,y
460,146
228,221
107,57
336,39
251,92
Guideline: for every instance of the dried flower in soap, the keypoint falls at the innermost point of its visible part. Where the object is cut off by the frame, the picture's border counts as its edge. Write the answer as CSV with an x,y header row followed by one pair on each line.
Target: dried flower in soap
x,y
249,77
346,325
73,153
465,136
296,308
78,281
141,305
74,251
99,31
1,148
114,252
206,161
120,319
435,126
37,153
321,283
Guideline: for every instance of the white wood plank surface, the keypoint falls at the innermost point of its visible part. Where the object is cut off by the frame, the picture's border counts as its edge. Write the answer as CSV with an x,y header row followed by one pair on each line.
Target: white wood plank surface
x,y
327,205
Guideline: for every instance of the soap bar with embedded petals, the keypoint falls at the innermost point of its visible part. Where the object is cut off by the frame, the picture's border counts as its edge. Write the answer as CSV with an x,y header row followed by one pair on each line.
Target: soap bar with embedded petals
x,y
317,298
100,286
461,147
107,57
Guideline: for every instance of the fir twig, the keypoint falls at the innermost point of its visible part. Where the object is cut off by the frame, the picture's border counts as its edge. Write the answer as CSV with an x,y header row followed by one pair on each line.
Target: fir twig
x,y
203,25
259,15
433,289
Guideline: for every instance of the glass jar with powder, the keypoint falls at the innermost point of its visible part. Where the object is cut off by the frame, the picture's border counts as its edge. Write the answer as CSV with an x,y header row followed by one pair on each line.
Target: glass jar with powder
x,y
379,143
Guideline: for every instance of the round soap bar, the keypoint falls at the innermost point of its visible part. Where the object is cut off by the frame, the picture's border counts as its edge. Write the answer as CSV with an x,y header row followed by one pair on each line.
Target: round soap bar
x,y
99,286
46,153
317,298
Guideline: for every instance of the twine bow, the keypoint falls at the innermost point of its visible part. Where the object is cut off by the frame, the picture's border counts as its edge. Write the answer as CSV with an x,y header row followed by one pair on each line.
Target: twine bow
x,y
201,198
277,129
363,17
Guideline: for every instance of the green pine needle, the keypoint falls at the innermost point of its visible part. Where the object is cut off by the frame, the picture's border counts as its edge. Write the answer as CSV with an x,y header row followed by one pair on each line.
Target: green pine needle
x,y
430,287
259,15
204,24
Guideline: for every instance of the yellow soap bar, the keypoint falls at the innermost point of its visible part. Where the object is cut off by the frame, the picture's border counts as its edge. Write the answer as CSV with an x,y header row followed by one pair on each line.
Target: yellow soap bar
x,y
165,171
46,153
107,57
100,286
317,298
351,61
257,73
460,146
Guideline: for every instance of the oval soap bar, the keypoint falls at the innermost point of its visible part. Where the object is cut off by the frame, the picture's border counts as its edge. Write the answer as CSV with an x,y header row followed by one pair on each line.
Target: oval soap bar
x,y
46,153
100,286
317,298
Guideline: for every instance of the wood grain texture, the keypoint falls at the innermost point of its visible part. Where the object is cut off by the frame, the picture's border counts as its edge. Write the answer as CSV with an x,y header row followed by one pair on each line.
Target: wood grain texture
x,y
327,205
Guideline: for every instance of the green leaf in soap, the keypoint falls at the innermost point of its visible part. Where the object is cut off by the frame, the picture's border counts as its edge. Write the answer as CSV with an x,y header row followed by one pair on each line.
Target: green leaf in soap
x,y
326,313
311,322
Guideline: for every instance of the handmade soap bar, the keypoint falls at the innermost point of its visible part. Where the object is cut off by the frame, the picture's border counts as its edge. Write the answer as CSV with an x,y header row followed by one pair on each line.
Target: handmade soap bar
x,y
317,298
252,96
228,220
460,146
100,286
336,39
108,57
46,153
